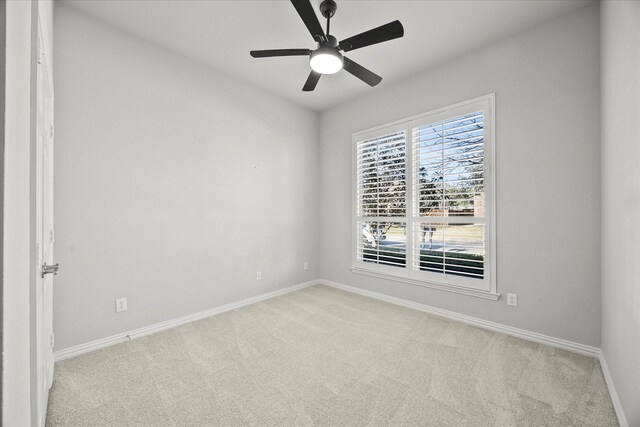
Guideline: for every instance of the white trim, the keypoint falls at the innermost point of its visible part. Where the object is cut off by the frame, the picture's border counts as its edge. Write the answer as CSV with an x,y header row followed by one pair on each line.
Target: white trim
x,y
474,321
485,288
615,399
493,296
457,105
44,29
497,327
152,329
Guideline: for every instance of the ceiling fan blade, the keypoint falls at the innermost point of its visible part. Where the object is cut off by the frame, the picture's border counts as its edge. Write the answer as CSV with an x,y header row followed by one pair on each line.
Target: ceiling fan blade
x,y
386,32
311,82
360,72
279,52
310,19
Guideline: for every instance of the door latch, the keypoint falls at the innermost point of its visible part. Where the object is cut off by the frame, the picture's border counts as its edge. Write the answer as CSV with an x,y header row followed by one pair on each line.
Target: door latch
x,y
50,269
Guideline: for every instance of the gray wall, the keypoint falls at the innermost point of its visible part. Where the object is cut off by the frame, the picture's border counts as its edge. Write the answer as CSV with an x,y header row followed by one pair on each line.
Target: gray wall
x,y
546,82
621,200
174,185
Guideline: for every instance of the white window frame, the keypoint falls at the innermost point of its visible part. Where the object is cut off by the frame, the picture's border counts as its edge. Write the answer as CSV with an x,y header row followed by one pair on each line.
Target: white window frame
x,y
484,288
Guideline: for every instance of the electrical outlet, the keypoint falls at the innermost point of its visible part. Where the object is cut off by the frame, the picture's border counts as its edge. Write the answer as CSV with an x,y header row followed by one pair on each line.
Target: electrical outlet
x,y
121,305
259,275
512,299
305,266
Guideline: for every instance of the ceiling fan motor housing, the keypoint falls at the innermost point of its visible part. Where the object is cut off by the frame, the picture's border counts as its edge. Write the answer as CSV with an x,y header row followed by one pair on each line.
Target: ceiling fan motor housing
x,y
330,42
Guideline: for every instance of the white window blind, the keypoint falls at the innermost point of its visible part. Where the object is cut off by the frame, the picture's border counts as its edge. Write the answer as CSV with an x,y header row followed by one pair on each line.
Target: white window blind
x,y
382,199
449,174
382,176
424,198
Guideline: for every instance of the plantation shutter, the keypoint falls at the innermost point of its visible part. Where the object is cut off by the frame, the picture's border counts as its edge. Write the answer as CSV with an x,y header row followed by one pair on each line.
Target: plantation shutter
x,y
381,199
448,162
381,176
424,196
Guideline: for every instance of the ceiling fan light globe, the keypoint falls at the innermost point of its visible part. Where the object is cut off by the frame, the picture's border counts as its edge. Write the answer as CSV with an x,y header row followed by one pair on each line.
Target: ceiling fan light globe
x,y
326,61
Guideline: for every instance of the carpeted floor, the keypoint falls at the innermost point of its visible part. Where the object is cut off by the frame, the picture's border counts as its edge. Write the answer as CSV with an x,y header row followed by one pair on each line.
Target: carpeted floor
x,y
321,356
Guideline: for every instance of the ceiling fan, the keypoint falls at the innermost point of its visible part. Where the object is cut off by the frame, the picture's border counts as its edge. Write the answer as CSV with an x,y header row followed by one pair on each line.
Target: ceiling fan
x,y
327,59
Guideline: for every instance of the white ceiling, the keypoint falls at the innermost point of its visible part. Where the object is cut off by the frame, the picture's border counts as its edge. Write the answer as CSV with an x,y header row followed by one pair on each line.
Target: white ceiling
x,y
221,34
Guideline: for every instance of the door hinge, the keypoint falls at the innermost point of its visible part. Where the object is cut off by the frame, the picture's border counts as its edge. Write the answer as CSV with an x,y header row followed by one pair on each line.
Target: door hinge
x,y
51,130
51,235
51,340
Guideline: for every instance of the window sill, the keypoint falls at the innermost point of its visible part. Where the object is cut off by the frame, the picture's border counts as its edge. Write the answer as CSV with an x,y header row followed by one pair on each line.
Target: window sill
x,y
492,296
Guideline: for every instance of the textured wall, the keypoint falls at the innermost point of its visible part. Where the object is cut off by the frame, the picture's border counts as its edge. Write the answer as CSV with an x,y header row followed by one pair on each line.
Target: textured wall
x,y
546,82
174,185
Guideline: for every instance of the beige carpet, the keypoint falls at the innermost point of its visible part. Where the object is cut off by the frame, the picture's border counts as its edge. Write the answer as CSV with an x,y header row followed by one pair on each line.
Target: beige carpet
x,y
321,356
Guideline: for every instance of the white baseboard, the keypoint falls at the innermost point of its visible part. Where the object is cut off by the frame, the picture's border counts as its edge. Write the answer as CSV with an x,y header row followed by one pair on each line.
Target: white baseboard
x,y
485,324
148,330
615,399
509,330
474,321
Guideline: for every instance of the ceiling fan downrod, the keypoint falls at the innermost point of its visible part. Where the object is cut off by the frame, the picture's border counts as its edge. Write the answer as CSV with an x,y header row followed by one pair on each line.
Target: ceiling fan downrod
x,y
328,9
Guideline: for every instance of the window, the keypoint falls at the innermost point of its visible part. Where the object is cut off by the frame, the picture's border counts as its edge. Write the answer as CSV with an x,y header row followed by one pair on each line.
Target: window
x,y
424,197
